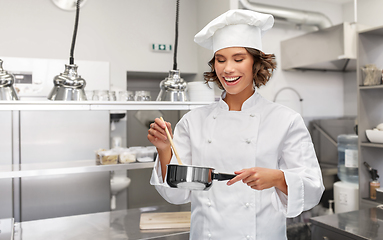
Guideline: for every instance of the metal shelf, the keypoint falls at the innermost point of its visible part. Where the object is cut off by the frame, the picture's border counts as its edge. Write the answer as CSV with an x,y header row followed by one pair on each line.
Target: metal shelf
x,y
54,168
362,87
369,144
97,105
370,102
369,203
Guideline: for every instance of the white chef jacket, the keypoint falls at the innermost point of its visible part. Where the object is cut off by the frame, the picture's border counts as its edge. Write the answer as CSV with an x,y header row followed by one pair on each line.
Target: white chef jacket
x,y
263,134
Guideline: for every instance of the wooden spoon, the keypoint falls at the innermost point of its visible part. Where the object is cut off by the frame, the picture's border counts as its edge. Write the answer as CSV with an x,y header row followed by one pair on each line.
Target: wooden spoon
x,y
171,143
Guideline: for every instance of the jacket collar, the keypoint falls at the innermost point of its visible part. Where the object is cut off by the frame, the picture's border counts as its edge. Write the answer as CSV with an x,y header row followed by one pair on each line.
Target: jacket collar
x,y
249,103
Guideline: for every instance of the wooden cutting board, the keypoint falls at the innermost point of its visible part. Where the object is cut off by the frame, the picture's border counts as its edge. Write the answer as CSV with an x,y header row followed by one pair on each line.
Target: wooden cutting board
x,y
165,220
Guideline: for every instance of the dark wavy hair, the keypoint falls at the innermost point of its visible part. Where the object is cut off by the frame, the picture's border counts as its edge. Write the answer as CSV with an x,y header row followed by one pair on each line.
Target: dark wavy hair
x,y
263,67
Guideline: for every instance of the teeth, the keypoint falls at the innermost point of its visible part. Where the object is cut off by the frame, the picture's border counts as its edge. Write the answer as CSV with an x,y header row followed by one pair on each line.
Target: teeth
x,y
231,79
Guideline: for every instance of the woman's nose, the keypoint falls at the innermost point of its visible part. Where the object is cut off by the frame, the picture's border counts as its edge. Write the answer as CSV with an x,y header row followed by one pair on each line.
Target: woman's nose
x,y
228,68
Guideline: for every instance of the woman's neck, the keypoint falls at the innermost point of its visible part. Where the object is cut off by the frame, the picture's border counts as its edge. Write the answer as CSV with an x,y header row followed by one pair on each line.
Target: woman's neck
x,y
235,101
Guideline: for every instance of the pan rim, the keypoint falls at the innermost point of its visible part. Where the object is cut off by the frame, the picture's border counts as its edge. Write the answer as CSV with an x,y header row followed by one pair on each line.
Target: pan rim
x,y
185,165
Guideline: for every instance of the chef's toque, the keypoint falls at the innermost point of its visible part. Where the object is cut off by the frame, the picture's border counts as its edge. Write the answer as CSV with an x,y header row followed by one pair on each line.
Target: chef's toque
x,y
235,28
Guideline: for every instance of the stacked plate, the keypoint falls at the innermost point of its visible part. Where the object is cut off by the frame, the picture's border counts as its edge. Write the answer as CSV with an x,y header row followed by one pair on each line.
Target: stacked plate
x,y
200,92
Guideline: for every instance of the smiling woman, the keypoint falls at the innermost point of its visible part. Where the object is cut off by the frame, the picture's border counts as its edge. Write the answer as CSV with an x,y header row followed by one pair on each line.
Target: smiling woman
x,y
266,145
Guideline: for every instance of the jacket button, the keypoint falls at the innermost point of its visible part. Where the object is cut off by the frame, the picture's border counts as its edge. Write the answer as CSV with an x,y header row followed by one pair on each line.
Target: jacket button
x,y
248,141
252,115
209,204
209,235
214,117
247,205
248,237
209,141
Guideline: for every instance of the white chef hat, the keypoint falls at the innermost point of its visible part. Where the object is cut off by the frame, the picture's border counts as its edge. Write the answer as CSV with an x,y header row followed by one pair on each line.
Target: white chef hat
x,y
235,28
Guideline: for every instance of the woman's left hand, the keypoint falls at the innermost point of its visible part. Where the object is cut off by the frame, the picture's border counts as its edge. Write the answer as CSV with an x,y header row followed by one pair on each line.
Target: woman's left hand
x,y
261,178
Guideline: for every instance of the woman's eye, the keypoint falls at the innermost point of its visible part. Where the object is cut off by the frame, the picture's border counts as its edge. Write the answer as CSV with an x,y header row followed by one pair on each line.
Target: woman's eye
x,y
220,61
239,60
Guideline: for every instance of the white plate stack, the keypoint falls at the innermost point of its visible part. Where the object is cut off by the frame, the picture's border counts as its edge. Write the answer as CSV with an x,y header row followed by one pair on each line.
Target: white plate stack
x,y
200,92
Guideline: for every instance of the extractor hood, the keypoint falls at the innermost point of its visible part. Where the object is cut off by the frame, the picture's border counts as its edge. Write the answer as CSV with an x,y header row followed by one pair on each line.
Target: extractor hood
x,y
329,49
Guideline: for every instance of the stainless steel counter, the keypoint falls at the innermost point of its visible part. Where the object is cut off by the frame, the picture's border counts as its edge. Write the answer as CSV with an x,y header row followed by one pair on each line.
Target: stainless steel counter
x,y
114,225
361,224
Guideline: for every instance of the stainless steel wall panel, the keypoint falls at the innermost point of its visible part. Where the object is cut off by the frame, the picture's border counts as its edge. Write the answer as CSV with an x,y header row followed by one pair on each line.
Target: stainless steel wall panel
x,y
55,136
6,137
64,195
6,198
48,136
5,159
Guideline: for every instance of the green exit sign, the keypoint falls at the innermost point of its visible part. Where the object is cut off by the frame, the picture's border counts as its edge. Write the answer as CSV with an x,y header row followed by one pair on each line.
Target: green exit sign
x,y
158,47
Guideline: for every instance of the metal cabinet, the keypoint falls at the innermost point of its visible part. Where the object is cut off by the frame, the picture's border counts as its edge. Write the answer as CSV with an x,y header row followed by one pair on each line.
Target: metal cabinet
x,y
322,233
357,225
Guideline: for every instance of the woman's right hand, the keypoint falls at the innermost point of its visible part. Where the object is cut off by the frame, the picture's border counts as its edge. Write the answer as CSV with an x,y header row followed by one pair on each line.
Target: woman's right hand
x,y
157,135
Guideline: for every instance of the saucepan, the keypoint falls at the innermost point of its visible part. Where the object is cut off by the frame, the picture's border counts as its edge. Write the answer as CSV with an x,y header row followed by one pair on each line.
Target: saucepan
x,y
193,177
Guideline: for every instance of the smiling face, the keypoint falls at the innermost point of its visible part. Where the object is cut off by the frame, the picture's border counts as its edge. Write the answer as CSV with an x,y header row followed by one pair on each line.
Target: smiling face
x,y
234,69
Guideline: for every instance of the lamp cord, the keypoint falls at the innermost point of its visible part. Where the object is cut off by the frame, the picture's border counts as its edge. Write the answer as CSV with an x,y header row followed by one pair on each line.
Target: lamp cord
x,y
176,37
71,59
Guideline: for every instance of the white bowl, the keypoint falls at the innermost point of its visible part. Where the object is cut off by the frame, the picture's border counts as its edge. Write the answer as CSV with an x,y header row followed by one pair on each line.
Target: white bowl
x,y
375,136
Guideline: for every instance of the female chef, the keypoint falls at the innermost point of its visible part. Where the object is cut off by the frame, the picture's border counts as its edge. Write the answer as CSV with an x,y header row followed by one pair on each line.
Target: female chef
x,y
266,144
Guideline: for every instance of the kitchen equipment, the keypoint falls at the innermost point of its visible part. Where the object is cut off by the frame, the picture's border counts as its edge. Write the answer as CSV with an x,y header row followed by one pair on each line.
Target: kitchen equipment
x,y
69,85
7,91
68,5
371,75
172,144
33,76
346,196
174,88
95,96
142,96
118,182
89,94
112,96
164,220
125,96
103,95
193,177
348,158
379,195
374,136
374,183
332,48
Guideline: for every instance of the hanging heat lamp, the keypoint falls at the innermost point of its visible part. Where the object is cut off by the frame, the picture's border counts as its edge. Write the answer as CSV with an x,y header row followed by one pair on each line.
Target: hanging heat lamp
x,y
69,86
68,5
7,91
174,88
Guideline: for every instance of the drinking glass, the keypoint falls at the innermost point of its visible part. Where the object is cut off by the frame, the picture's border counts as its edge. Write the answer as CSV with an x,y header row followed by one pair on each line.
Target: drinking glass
x,y
112,96
103,95
95,96
142,96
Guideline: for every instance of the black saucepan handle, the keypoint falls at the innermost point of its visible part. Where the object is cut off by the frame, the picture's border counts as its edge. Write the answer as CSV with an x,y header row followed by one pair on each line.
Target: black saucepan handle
x,y
223,176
